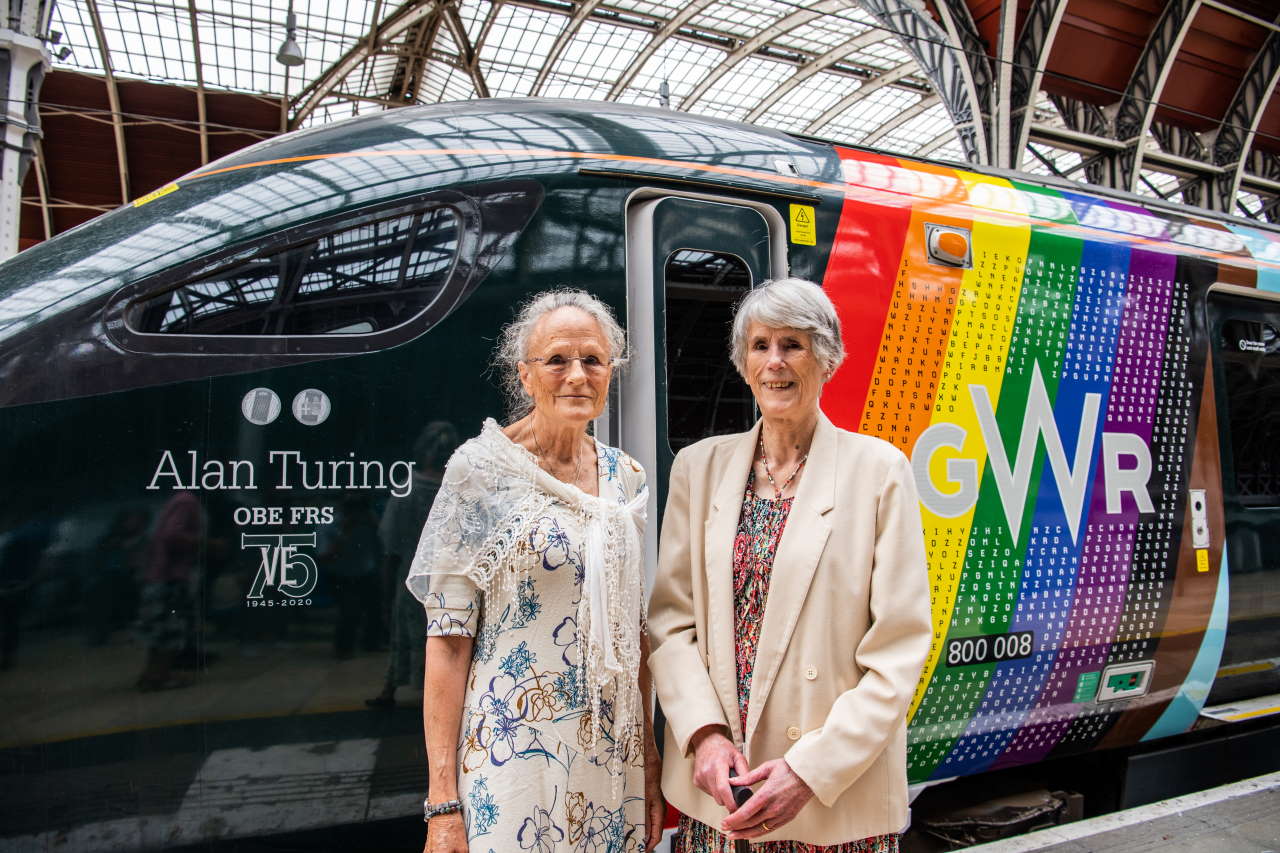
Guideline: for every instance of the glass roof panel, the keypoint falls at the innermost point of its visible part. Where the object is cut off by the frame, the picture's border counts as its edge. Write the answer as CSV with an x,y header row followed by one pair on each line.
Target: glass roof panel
x,y
733,95
826,32
744,18
886,54
914,134
593,59
1065,162
682,63
154,39
952,151
865,115
798,107
512,53
1159,185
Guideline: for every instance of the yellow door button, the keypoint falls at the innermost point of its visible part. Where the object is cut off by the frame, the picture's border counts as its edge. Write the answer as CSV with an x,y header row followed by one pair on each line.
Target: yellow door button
x,y
793,732
811,673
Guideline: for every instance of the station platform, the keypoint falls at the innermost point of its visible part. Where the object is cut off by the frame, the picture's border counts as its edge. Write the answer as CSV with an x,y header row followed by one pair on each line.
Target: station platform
x,y
1243,817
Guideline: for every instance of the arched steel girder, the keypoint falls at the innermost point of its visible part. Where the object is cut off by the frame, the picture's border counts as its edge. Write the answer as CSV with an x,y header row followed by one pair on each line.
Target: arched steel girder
x,y
202,113
811,68
398,24
900,119
888,78
1142,95
1240,124
952,79
659,39
580,14
1031,55
958,23
759,40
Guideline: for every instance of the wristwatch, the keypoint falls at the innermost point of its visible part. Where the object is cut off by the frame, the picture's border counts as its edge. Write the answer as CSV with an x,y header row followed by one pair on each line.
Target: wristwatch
x,y
430,810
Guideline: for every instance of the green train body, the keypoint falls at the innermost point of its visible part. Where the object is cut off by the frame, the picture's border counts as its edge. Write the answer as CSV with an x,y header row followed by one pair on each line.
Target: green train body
x,y
199,389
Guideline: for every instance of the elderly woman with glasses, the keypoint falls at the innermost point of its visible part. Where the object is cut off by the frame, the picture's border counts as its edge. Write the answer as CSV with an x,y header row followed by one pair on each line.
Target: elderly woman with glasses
x,y
530,571
790,616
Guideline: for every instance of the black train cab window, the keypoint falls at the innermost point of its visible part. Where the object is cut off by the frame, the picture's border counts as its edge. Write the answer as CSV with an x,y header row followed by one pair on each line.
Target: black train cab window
x,y
1249,353
364,279
1246,354
705,395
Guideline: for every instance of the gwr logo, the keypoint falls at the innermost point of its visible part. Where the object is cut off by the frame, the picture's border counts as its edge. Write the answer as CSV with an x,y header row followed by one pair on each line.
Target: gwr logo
x,y
282,567
1012,481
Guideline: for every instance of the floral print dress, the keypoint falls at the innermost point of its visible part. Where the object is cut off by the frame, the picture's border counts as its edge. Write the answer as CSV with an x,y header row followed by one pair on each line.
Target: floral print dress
x,y
532,773
760,529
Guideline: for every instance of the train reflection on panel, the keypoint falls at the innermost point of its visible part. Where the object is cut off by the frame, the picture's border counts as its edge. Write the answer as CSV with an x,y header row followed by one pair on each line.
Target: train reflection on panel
x,y
224,409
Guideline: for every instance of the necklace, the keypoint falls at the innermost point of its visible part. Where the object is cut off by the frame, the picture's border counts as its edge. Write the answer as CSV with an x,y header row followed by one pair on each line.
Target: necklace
x,y
546,464
777,493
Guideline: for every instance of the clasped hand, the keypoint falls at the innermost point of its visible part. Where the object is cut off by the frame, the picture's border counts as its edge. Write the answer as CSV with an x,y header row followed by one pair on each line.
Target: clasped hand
x,y
717,764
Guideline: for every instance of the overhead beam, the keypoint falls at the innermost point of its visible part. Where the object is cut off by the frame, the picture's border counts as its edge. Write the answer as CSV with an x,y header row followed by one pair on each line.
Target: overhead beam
x,y
113,99
811,68
468,54
202,114
42,186
951,78
311,97
1002,100
759,40
1031,56
1142,95
1239,125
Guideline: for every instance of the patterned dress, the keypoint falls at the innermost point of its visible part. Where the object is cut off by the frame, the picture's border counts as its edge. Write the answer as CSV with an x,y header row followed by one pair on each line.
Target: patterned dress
x,y
760,529
529,775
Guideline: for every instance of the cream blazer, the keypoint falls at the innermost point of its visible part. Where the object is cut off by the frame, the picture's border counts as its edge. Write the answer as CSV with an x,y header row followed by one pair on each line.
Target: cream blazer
x,y
845,633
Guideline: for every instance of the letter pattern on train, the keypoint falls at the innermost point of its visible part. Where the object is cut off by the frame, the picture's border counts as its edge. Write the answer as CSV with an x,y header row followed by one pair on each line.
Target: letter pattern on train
x,y
1047,397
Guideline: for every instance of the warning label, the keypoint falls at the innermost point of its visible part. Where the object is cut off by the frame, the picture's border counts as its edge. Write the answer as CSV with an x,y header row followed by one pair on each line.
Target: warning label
x,y
168,188
804,231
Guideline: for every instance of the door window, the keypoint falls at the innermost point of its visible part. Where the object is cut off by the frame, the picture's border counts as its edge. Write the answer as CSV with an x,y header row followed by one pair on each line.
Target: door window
x,y
1245,333
705,394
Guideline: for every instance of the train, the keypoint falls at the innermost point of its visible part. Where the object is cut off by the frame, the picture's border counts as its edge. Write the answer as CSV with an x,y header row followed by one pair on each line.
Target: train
x,y
214,404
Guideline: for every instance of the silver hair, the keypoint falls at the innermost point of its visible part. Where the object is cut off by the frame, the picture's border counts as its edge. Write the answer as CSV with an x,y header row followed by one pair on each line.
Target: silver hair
x,y
789,303
513,342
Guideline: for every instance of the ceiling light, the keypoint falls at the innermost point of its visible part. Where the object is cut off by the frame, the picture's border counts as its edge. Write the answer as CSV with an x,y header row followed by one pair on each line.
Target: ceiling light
x,y
290,54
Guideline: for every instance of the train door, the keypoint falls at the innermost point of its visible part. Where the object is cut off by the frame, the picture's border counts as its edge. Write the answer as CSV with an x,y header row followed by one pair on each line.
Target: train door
x,y
689,259
1244,331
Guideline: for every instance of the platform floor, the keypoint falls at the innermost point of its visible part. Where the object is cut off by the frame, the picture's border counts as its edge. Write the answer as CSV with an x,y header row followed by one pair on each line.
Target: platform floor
x,y
1243,817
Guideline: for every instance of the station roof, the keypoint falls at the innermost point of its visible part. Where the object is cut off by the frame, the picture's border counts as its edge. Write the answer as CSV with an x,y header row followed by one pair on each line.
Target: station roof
x,y
192,79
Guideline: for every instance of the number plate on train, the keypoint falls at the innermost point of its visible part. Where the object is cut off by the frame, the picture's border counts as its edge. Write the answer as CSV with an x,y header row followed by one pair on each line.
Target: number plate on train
x,y
968,651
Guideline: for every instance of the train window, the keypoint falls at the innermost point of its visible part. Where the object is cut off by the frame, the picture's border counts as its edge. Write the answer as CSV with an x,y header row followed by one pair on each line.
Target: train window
x,y
1249,355
359,280
705,395
1245,333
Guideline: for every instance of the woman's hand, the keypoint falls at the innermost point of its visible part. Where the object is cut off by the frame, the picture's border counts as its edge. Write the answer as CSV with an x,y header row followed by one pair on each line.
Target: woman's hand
x,y
715,759
655,806
446,833
774,804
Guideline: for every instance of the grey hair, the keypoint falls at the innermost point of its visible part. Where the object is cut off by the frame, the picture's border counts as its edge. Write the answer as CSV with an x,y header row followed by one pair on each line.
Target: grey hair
x,y
513,342
789,303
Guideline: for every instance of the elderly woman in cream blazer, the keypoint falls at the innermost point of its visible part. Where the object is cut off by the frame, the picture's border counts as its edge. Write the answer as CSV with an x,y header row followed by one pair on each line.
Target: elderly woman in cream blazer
x,y
790,617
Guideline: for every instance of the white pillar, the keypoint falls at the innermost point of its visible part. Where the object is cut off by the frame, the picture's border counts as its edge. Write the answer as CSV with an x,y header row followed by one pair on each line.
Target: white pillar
x,y
23,46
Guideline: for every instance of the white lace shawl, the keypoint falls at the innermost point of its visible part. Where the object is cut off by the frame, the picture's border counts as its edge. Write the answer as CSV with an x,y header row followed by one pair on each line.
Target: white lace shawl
x,y
492,495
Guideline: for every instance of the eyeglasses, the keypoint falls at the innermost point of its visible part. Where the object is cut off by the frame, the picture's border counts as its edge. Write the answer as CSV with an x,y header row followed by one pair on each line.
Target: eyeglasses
x,y
557,364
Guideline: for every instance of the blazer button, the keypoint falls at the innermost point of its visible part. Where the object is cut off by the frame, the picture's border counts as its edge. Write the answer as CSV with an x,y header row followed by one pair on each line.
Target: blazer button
x,y
793,733
811,673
